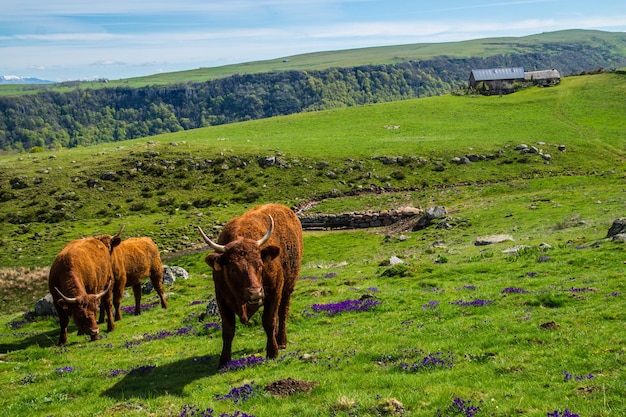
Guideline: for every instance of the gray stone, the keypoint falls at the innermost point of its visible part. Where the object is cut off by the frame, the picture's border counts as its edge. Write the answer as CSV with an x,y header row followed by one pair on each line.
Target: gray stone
x,y
44,307
489,240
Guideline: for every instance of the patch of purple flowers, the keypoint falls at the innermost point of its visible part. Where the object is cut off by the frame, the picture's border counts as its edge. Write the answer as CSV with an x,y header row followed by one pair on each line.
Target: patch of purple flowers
x,y
614,294
242,363
460,407
566,413
161,334
430,362
131,309
193,410
431,305
475,303
65,370
212,325
568,377
239,394
514,290
344,306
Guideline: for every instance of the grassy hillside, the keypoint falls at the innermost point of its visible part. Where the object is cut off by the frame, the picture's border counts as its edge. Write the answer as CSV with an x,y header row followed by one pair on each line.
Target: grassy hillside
x,y
531,331
478,48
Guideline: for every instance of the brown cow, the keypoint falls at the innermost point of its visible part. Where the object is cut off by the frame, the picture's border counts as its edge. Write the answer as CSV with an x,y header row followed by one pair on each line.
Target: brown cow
x,y
256,262
80,277
133,260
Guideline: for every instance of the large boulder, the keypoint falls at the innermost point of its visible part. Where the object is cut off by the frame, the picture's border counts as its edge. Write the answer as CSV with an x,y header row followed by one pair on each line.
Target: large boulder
x,y
170,275
44,307
617,231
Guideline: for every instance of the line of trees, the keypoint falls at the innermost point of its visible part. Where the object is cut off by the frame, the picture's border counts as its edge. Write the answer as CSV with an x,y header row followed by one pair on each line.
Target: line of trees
x,y
88,116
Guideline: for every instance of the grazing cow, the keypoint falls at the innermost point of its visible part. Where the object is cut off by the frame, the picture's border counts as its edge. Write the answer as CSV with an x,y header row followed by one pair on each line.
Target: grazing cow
x,y
80,277
133,260
256,262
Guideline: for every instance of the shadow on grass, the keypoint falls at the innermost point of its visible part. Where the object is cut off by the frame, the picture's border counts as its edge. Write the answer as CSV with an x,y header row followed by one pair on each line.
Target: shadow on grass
x,y
169,379
41,339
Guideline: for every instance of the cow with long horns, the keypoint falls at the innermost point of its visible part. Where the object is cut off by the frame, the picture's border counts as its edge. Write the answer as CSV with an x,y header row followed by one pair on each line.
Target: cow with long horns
x,y
256,263
80,279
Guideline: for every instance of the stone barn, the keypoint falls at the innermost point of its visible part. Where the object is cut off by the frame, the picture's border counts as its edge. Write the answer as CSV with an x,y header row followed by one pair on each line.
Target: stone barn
x,y
545,78
496,80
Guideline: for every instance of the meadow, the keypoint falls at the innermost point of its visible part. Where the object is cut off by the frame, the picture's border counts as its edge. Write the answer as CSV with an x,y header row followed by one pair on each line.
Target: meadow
x,y
529,327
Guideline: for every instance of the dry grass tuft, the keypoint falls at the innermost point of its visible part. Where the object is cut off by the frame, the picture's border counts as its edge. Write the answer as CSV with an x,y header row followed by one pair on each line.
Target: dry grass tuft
x,y
21,287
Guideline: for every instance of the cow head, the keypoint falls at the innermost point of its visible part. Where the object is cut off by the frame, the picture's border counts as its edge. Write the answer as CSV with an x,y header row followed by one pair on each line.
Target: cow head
x,y
111,241
240,264
83,309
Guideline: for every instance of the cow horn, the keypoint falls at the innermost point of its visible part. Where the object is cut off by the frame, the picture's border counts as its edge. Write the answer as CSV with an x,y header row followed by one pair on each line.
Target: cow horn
x,y
218,248
267,234
68,299
120,232
106,290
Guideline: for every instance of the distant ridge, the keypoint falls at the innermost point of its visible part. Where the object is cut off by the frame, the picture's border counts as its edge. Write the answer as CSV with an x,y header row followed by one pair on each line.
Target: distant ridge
x,y
16,79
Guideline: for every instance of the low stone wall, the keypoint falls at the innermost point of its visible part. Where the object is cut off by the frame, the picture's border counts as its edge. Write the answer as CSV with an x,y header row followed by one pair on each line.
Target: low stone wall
x,y
357,220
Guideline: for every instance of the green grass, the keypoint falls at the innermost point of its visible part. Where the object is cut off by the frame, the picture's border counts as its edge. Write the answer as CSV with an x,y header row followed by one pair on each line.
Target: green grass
x,y
508,357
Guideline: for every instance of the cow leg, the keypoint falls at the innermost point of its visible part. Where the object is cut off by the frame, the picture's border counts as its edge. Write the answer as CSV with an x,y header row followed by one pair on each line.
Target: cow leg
x,y
156,276
283,314
269,324
137,294
228,333
64,321
118,291
108,308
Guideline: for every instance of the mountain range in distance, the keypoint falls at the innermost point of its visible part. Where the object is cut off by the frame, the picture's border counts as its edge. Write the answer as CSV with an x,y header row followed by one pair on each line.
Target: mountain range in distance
x,y
15,79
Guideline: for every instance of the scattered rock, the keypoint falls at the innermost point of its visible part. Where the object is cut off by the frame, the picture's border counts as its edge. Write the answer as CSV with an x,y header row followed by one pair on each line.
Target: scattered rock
x,y
45,306
394,260
489,240
617,228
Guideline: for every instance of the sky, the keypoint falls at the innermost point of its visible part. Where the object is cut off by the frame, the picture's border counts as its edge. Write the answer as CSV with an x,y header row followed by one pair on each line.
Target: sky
x,y
85,39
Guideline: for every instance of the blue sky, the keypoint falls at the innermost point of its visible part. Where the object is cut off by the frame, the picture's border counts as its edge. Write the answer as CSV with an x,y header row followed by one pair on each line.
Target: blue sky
x,y
84,39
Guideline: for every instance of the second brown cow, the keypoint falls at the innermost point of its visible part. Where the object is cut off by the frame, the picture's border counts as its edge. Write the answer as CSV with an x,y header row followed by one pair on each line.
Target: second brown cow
x,y
133,260
256,262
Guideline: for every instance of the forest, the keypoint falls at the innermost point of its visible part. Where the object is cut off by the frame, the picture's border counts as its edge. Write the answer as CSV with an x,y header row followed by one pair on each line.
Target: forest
x,y
82,117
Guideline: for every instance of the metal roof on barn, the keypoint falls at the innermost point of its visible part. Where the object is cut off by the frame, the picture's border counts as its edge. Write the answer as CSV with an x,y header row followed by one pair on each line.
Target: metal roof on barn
x,y
498,74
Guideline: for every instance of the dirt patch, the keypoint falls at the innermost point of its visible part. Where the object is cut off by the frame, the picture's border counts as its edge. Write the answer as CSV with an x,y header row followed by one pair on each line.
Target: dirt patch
x,y
288,386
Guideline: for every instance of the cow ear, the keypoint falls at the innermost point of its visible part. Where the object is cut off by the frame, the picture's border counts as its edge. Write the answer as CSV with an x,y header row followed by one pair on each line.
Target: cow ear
x,y
115,241
213,260
63,304
269,253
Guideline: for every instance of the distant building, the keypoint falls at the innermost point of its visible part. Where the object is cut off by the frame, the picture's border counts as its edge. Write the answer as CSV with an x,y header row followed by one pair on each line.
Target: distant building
x,y
495,80
491,81
545,78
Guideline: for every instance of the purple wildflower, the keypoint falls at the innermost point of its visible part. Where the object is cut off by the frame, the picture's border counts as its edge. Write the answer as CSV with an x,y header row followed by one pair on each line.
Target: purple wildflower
x,y
239,394
514,290
614,294
460,407
430,362
476,303
431,305
65,370
566,413
543,259
193,410
131,309
196,302
242,363
348,305
568,377
212,325
531,274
